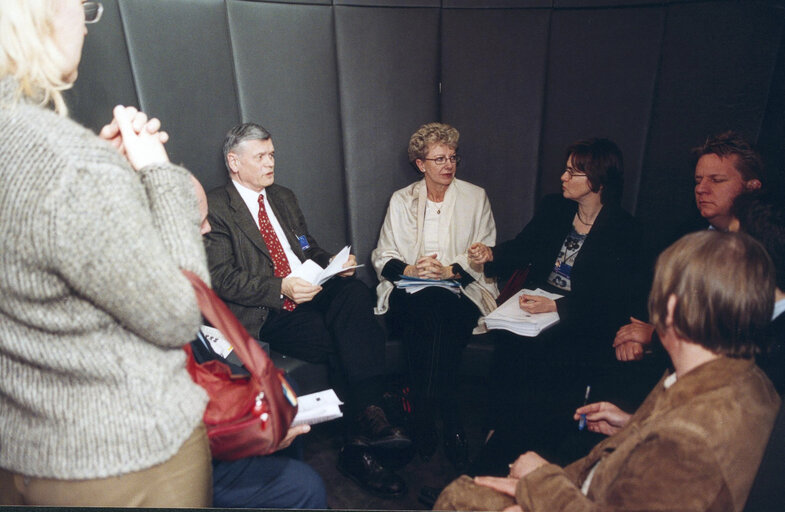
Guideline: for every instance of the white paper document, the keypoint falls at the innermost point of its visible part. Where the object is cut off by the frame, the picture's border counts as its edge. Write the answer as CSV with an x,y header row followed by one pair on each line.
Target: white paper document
x,y
315,274
218,342
511,317
317,408
415,284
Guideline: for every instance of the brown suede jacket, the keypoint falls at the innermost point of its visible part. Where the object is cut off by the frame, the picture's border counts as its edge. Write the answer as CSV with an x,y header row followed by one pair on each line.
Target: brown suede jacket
x,y
694,446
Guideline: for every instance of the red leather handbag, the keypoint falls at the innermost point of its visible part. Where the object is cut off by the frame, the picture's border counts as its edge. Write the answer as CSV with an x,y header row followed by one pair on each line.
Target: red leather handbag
x,y
245,416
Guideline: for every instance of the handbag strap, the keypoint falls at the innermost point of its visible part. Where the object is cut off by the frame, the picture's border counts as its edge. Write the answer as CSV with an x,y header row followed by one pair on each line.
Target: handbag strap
x,y
220,316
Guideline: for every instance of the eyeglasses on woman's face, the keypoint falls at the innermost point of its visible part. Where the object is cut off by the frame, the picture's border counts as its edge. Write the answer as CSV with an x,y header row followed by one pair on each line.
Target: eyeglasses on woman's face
x,y
572,172
92,11
441,160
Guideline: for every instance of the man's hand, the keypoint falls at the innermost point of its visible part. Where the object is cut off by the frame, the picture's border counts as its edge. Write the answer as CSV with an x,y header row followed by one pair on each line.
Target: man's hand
x,y
536,304
299,290
136,137
479,254
505,485
631,338
351,262
291,434
630,351
525,464
603,417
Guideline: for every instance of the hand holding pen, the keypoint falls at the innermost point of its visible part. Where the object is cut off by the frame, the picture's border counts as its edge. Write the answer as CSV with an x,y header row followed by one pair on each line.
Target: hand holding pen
x,y
602,417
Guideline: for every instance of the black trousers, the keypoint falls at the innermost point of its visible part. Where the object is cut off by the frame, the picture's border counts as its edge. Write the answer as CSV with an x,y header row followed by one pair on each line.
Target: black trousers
x,y
537,383
435,325
336,327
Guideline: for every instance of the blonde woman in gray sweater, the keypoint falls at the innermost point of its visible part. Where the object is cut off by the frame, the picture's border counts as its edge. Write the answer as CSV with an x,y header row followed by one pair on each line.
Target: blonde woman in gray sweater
x,y
96,407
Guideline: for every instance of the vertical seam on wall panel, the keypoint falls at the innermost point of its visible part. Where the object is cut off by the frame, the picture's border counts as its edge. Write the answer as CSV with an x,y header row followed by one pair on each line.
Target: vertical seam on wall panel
x,y
348,225
238,103
439,55
647,128
128,55
543,112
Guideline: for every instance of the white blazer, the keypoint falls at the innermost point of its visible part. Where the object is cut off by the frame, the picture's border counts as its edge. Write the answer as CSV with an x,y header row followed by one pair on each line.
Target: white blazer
x,y
466,218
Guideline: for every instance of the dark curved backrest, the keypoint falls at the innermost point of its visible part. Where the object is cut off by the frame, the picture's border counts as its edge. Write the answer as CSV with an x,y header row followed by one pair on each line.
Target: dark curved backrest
x,y
342,84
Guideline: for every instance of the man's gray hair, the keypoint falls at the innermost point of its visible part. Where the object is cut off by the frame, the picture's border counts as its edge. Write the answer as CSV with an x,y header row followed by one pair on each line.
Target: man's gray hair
x,y
241,133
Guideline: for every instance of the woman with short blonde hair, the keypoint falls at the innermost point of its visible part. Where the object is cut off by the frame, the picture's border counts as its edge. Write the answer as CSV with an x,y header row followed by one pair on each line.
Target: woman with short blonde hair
x,y
96,407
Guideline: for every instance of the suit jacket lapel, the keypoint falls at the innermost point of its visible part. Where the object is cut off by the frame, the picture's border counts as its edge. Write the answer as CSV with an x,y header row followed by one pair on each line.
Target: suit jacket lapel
x,y
244,220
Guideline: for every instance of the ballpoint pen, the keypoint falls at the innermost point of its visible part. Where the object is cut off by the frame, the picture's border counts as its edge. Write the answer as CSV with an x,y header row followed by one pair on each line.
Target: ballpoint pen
x,y
582,422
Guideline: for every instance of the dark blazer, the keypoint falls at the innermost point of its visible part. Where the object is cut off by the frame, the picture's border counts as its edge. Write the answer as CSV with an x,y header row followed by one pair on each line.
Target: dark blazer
x,y
241,268
599,302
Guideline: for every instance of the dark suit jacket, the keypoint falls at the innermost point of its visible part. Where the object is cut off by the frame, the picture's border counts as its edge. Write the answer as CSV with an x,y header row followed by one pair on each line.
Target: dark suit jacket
x,y
241,268
601,277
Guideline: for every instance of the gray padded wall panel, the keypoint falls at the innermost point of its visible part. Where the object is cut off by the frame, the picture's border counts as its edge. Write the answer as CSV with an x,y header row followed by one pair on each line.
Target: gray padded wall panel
x,y
389,87
183,69
715,75
287,82
601,76
105,75
493,75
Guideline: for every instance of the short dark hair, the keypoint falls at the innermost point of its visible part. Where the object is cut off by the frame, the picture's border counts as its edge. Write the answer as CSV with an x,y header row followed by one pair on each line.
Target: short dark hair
x,y
762,216
241,133
603,163
728,145
724,289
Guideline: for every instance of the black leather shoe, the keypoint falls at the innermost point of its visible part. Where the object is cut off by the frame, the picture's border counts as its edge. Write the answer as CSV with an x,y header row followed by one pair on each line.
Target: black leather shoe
x,y
456,448
358,463
377,432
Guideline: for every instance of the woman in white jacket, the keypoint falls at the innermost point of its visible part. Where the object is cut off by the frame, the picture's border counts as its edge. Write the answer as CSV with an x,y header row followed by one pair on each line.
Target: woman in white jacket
x,y
428,229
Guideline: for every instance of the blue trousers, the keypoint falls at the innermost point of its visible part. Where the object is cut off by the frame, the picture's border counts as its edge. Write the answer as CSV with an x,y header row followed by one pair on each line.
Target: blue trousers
x,y
273,481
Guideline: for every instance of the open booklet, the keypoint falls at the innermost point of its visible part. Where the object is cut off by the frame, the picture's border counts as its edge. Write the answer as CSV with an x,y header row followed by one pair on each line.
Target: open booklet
x,y
317,408
315,274
509,316
415,284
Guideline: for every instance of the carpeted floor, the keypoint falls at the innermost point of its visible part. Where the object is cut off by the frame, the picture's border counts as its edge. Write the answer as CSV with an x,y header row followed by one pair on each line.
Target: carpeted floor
x,y
321,447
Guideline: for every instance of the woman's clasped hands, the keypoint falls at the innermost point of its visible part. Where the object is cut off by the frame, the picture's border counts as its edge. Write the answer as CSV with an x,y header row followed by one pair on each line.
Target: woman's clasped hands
x,y
429,267
136,137
479,254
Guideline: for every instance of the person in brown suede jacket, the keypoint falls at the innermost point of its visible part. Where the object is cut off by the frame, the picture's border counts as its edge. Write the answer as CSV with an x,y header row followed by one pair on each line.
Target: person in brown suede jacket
x,y
697,440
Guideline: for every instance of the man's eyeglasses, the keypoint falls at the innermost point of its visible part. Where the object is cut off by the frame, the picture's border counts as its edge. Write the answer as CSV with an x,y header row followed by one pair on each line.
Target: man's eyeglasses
x,y
574,173
92,11
441,160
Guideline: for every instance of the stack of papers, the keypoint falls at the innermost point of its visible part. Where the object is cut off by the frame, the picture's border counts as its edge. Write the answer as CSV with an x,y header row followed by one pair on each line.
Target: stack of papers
x,y
315,274
509,316
317,408
415,284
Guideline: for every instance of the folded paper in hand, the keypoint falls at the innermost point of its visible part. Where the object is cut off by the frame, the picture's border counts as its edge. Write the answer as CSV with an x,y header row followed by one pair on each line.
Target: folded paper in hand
x,y
509,316
315,274
415,284
317,408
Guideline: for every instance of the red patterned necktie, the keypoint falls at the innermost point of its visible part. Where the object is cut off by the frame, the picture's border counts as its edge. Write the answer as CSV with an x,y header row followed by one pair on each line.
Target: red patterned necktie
x,y
282,268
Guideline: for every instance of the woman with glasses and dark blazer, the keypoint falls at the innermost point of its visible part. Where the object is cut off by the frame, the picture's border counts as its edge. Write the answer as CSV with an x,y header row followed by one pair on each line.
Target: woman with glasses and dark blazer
x,y
580,245
428,229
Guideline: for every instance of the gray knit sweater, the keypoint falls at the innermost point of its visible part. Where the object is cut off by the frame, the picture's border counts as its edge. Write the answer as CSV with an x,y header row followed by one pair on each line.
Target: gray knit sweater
x,y
93,309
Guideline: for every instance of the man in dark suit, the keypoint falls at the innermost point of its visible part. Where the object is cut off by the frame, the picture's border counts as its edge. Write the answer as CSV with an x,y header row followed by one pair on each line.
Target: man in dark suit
x,y
726,166
258,238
